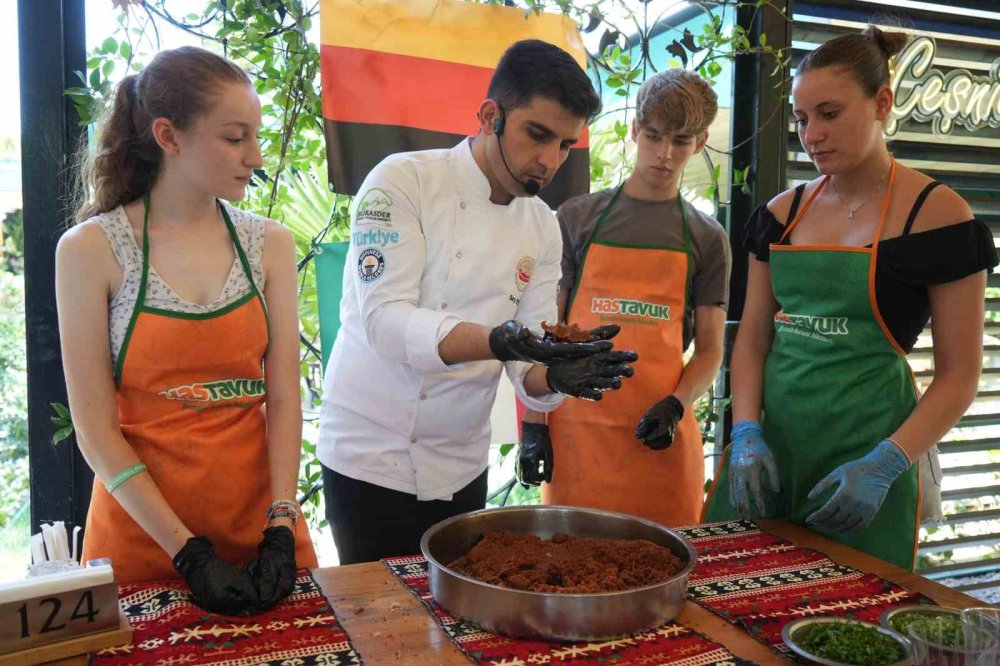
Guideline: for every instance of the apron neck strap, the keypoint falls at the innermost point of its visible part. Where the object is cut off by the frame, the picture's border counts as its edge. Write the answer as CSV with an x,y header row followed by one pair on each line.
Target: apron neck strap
x,y
805,207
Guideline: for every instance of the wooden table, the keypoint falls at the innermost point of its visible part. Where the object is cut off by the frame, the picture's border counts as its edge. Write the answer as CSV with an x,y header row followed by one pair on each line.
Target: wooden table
x,y
389,625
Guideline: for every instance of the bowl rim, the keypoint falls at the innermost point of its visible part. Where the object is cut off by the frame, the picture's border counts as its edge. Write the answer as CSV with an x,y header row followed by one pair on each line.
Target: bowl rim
x,y
926,609
789,628
682,574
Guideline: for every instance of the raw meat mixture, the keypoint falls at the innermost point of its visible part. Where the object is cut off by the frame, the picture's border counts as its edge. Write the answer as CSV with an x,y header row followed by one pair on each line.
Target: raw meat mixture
x,y
566,564
566,332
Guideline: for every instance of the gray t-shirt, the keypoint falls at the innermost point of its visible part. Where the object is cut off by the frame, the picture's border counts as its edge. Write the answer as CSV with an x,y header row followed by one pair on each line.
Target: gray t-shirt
x,y
651,224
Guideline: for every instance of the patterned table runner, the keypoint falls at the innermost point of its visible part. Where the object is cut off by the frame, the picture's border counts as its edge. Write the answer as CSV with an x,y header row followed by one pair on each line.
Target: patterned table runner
x,y
169,630
760,582
670,645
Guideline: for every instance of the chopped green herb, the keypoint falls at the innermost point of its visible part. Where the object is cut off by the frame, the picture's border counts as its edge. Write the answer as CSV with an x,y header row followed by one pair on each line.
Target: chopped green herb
x,y
943,628
850,643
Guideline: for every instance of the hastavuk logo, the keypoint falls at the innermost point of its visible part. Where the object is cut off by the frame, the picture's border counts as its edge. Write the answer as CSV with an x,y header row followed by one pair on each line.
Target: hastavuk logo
x,y
623,309
224,389
816,328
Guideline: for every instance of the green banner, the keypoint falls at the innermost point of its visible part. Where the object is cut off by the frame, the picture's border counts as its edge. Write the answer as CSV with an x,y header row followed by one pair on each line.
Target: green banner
x,y
330,259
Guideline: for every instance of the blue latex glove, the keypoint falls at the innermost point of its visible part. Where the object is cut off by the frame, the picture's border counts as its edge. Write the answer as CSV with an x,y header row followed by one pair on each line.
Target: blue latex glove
x,y
862,487
748,457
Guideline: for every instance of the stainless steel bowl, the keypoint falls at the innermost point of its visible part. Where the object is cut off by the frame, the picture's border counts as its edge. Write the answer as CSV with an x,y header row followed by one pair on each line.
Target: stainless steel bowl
x,y
792,634
564,617
923,609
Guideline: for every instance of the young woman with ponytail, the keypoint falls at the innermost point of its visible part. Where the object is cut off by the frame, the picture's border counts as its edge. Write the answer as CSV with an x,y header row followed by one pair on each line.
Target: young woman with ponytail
x,y
845,273
177,314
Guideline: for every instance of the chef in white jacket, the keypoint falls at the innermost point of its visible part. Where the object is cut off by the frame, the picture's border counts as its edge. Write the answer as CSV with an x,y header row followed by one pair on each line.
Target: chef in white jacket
x,y
453,266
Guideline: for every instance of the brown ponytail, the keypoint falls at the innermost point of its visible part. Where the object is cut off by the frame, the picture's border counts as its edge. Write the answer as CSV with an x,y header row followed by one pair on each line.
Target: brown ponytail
x,y
865,56
178,85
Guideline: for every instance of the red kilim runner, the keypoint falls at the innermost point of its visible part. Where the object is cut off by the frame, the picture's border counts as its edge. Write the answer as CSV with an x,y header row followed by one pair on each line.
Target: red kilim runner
x,y
669,645
760,582
169,630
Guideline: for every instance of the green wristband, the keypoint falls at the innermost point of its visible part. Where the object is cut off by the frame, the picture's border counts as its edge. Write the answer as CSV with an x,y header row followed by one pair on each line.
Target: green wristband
x,y
124,476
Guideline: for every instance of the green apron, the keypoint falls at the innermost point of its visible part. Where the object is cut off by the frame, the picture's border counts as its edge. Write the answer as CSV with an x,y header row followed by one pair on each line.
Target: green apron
x,y
835,385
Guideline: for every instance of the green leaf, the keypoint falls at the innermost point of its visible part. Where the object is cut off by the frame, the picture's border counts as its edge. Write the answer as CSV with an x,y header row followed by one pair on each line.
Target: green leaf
x,y
108,67
505,449
763,39
110,45
714,69
125,50
95,78
62,434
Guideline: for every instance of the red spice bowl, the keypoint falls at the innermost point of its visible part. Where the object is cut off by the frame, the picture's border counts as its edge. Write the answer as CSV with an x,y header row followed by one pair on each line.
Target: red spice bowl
x,y
554,615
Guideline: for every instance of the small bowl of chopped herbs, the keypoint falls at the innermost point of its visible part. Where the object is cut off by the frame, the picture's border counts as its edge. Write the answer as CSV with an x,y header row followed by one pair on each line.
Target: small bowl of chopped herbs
x,y
832,641
946,622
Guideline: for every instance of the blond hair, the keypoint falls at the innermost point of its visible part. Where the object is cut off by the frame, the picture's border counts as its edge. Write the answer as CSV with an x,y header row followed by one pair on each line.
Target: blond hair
x,y
679,99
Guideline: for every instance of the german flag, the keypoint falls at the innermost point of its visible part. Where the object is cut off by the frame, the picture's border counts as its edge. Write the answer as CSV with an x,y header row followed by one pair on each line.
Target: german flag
x,y
402,75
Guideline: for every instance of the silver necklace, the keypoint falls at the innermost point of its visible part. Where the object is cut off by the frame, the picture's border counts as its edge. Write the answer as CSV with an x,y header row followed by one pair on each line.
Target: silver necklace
x,y
852,211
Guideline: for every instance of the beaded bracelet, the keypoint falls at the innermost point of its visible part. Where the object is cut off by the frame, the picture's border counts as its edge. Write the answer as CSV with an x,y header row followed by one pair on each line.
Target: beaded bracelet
x,y
124,476
901,449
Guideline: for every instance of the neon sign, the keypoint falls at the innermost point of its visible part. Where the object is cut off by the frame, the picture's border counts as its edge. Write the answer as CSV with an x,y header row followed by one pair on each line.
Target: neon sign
x,y
944,100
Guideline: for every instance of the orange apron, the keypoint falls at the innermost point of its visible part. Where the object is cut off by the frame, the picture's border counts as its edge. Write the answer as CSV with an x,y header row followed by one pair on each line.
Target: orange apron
x,y
598,462
191,403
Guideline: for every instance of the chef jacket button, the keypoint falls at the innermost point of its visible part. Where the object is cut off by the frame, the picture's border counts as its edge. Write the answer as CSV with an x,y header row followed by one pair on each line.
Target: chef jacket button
x,y
413,440
444,306
461,205
423,396
459,255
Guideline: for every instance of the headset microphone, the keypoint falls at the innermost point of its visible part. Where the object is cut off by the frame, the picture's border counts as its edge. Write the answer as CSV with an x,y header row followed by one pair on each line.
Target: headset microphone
x,y
530,186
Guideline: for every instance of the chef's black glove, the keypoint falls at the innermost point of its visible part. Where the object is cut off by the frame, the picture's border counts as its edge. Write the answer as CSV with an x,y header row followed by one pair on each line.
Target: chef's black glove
x,y
513,341
216,585
273,571
657,428
534,455
589,377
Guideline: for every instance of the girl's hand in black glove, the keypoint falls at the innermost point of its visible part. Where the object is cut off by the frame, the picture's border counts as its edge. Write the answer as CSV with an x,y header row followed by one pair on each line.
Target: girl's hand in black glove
x,y
273,571
216,585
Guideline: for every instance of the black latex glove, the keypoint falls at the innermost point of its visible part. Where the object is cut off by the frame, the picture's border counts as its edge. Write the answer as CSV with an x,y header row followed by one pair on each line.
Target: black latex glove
x,y
216,585
589,377
534,455
657,427
513,341
273,571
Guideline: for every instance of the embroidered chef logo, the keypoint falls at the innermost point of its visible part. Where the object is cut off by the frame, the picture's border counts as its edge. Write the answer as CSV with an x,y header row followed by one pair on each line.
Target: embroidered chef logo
x,y
821,329
374,208
371,265
627,311
522,276
218,391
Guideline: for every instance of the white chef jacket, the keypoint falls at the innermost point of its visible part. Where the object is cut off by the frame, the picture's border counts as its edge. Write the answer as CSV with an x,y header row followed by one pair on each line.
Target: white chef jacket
x,y
428,251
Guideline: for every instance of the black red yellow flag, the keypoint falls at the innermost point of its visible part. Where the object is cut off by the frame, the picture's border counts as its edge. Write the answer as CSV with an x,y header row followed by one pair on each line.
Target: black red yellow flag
x,y
401,75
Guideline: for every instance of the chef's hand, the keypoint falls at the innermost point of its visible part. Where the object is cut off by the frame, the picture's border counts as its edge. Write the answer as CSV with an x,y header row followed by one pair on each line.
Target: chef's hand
x,y
216,585
589,377
749,456
657,428
513,341
862,487
534,455
273,571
